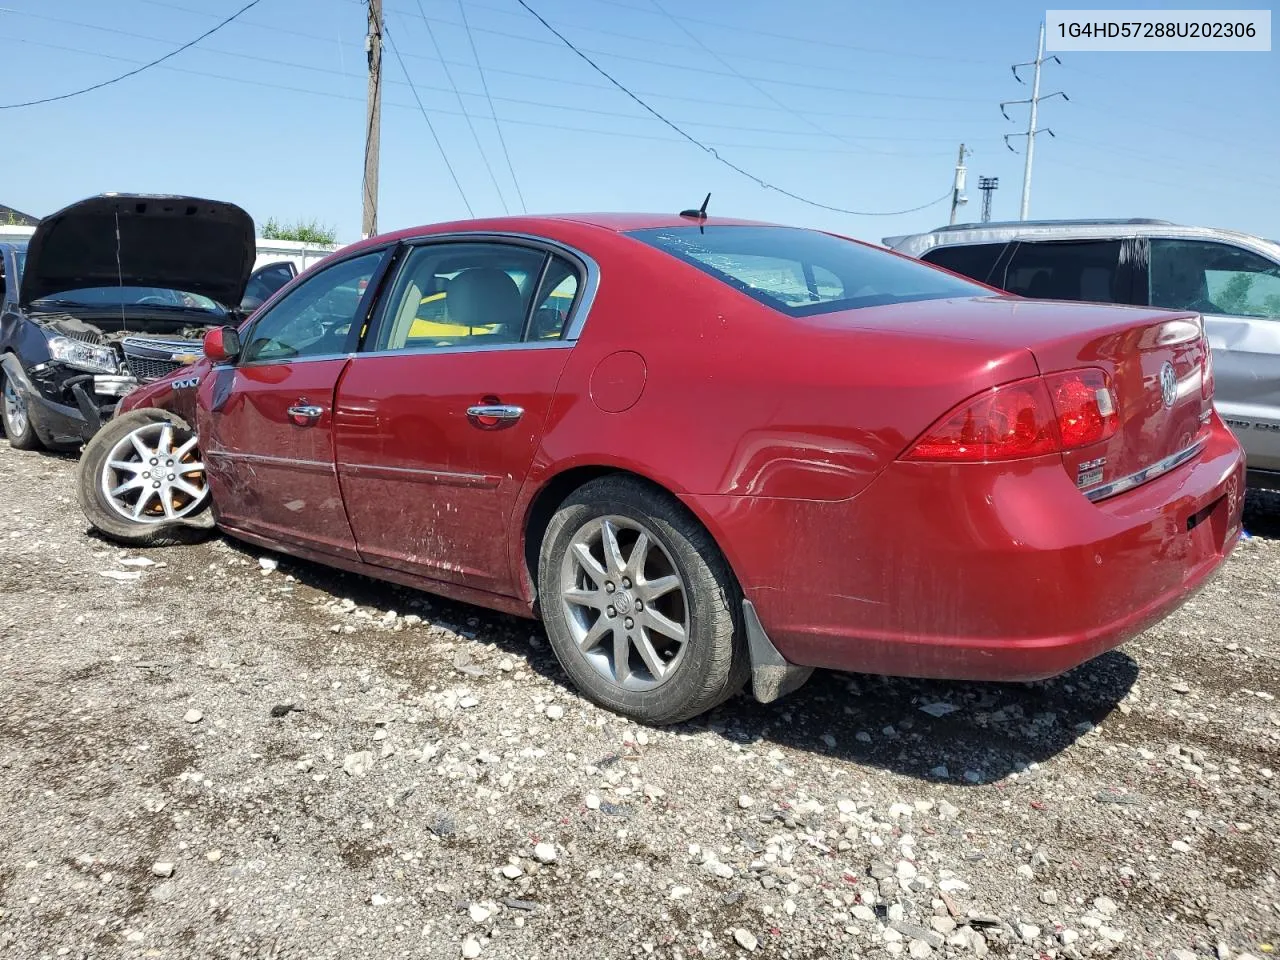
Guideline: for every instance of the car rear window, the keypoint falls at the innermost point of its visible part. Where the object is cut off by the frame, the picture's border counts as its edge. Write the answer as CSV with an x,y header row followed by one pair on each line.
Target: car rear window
x,y
804,272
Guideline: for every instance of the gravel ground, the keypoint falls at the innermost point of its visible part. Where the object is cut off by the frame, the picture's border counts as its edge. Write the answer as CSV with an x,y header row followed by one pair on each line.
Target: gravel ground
x,y
204,754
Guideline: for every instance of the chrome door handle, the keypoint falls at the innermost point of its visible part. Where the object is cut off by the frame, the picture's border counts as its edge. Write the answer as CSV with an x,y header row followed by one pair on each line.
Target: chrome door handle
x,y
484,412
304,414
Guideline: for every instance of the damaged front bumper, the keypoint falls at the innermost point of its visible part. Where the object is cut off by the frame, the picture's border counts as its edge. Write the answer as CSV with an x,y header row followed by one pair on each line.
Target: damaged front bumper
x,y
67,407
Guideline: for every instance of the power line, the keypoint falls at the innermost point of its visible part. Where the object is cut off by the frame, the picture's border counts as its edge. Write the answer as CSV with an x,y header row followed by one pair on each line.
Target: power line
x,y
430,126
711,150
448,75
542,125
146,66
772,35
277,62
751,83
719,73
809,65
1032,129
484,83
522,75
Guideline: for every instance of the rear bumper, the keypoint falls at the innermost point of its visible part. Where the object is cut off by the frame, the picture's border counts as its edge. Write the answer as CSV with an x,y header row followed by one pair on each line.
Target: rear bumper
x,y
976,571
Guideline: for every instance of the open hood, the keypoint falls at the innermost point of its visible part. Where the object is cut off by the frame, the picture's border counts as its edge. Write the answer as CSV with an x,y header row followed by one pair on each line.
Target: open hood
x,y
137,240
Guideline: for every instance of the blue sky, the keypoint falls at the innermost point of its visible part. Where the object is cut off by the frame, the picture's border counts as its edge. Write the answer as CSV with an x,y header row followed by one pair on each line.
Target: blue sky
x,y
853,104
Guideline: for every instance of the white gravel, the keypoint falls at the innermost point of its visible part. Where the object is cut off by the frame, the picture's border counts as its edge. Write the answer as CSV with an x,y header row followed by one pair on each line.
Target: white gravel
x,y
372,775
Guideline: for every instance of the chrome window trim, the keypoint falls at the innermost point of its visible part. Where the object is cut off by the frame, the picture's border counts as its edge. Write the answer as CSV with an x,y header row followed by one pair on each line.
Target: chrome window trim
x,y
485,348
1157,469
425,351
586,295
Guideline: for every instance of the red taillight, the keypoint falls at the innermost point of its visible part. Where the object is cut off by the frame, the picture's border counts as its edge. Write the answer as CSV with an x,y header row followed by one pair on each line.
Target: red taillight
x,y
1026,418
1085,406
1006,423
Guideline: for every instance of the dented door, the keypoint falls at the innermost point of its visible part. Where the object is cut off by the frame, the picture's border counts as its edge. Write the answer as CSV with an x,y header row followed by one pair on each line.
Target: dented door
x,y
432,449
267,434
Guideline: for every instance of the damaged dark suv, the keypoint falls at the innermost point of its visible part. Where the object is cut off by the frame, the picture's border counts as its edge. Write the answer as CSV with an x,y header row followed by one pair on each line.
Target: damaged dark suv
x,y
112,292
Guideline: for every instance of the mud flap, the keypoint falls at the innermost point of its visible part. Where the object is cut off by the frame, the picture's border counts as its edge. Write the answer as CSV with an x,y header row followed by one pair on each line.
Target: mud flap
x,y
772,676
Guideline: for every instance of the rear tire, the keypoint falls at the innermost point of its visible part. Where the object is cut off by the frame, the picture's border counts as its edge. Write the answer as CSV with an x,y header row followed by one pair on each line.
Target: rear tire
x,y
15,414
115,517
640,606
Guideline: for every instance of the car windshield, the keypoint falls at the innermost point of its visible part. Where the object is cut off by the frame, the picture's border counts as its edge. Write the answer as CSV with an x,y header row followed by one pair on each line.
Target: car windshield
x,y
133,297
805,272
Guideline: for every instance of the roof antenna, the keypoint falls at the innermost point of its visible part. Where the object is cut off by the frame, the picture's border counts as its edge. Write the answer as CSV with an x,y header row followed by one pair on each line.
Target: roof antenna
x,y
700,214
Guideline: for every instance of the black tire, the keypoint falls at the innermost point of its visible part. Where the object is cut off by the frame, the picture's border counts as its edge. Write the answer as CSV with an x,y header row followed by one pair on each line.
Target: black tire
x,y
98,509
19,439
713,664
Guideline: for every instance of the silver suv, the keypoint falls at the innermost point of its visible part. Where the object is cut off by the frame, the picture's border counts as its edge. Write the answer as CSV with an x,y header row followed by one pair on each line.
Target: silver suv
x,y
1232,279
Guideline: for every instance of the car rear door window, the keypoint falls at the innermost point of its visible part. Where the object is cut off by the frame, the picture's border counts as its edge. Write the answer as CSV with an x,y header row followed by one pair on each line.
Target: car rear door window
x,y
1067,270
1215,278
553,305
976,260
315,318
476,294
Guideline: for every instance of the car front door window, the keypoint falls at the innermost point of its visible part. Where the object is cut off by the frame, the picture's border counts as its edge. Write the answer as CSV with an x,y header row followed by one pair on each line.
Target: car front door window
x,y
1214,278
315,319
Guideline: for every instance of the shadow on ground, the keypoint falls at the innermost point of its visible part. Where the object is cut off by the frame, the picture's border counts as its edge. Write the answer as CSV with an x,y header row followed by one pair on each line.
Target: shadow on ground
x,y
1262,514
952,732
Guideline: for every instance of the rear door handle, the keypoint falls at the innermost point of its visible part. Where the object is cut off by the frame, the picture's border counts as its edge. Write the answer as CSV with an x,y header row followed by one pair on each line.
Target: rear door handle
x,y
489,414
305,414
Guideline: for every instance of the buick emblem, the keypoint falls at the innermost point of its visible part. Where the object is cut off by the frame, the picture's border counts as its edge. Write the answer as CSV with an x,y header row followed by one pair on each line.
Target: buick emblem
x,y
1168,384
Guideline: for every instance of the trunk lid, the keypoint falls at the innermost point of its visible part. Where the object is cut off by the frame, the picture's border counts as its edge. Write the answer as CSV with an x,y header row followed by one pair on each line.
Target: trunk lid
x,y
1157,361
204,247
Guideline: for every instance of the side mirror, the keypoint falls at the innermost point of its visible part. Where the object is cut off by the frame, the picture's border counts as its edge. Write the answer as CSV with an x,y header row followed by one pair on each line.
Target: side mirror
x,y
222,344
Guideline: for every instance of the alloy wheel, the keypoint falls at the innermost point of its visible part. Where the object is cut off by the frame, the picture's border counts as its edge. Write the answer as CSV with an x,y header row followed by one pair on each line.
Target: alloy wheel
x,y
147,478
625,602
15,410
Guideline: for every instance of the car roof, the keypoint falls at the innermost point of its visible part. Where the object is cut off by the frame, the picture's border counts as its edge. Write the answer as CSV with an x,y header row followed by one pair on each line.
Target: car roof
x,y
545,224
1006,231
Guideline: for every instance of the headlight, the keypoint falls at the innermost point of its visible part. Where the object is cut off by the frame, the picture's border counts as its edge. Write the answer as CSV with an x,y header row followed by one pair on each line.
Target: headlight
x,y
83,356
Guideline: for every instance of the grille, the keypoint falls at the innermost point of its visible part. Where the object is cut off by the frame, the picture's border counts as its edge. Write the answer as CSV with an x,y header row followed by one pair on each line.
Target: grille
x,y
152,358
145,368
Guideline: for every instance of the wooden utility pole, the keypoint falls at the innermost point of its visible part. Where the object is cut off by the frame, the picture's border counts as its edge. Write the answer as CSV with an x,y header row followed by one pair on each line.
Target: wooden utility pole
x,y
373,124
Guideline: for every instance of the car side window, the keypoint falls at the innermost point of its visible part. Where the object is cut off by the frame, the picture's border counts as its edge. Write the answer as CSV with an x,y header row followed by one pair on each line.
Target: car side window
x,y
973,260
316,316
554,302
1214,278
1066,270
471,295
267,281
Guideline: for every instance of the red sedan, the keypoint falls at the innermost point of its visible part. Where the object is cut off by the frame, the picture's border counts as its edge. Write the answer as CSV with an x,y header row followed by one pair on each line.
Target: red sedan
x,y
703,451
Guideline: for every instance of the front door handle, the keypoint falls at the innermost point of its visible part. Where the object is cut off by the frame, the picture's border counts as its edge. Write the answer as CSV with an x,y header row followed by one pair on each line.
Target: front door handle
x,y
305,414
491,414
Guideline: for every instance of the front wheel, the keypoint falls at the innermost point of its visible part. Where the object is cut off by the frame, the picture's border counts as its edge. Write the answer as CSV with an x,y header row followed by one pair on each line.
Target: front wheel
x,y
142,479
17,420
639,604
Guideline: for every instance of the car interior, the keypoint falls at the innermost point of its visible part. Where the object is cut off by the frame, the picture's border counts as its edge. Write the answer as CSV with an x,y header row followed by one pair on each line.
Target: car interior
x,y
477,297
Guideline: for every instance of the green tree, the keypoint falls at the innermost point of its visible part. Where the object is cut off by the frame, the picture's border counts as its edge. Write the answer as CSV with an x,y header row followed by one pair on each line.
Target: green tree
x,y
302,230
1234,297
